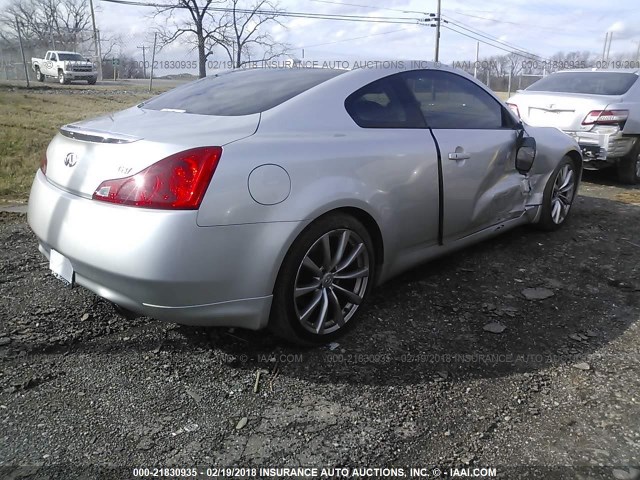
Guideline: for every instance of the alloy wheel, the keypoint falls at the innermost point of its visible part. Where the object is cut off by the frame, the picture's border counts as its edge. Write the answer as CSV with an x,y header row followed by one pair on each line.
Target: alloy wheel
x,y
331,281
562,194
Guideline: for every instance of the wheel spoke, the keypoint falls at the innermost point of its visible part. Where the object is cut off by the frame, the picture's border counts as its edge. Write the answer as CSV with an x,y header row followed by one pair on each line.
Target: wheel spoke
x,y
338,317
326,252
323,311
306,289
350,258
312,305
363,272
352,297
310,264
567,181
342,245
556,210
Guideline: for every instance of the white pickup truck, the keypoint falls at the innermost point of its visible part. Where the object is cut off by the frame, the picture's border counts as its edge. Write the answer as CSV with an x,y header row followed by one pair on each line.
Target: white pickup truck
x,y
65,66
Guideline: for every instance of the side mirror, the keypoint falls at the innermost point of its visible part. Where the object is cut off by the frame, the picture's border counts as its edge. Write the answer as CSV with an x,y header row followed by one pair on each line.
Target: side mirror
x,y
525,154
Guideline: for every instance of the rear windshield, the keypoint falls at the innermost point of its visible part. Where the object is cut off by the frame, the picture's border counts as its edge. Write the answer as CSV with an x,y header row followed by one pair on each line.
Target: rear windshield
x,y
70,57
594,83
240,92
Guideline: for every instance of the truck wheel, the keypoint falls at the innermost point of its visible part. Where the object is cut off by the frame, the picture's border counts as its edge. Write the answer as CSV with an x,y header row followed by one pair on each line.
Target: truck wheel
x,y
629,166
62,79
39,75
92,80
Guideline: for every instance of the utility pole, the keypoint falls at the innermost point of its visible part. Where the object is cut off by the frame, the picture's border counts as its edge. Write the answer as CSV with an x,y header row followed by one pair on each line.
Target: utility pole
x,y
436,57
95,40
604,48
475,67
24,61
638,53
609,47
153,60
144,61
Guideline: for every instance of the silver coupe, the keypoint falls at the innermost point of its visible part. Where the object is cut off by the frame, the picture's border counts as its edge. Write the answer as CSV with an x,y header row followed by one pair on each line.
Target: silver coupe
x,y
281,197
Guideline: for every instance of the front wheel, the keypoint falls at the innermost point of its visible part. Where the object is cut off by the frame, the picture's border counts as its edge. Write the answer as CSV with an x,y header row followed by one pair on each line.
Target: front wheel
x,y
629,166
559,194
61,78
92,80
324,279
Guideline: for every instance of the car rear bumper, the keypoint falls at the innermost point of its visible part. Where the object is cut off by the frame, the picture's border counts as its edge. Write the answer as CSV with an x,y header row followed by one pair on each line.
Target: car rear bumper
x,y
601,149
161,263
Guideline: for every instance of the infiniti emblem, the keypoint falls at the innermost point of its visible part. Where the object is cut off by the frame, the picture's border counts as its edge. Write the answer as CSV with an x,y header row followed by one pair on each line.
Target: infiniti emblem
x,y
71,159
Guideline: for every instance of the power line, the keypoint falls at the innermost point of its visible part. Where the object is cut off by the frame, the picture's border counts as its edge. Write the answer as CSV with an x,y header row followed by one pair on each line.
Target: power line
x,y
527,56
352,38
492,38
318,16
368,6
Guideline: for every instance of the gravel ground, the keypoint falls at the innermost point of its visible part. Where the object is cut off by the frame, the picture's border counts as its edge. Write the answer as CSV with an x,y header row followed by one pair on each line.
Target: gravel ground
x,y
521,354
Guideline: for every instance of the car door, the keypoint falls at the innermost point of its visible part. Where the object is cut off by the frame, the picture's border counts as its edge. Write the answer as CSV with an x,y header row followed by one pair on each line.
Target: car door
x,y
477,140
405,159
50,65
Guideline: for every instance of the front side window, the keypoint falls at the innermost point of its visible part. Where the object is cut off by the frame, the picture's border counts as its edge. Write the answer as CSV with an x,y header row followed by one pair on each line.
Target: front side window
x,y
450,101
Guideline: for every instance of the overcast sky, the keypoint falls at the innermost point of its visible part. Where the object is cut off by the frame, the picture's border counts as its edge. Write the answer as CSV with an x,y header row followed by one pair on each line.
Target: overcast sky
x,y
539,26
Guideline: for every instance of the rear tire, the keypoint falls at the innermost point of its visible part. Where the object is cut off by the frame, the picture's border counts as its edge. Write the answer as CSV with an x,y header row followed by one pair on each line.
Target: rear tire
x,y
39,75
559,194
629,166
324,279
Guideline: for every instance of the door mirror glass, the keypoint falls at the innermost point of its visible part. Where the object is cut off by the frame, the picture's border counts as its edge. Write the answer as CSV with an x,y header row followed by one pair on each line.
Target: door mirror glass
x,y
526,154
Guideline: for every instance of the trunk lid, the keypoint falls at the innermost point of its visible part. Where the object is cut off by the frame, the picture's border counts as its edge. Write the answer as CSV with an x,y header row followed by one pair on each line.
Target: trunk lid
x,y
565,111
84,154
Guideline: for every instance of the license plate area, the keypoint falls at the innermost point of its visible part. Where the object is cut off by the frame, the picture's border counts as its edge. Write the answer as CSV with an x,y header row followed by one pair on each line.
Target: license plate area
x,y
61,267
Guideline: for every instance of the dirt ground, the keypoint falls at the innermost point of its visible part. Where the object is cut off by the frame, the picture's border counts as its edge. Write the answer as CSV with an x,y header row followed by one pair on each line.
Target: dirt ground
x,y
419,382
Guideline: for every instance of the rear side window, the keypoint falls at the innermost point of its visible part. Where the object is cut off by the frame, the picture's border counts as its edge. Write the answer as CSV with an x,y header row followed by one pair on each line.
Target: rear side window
x,y
380,105
240,92
593,83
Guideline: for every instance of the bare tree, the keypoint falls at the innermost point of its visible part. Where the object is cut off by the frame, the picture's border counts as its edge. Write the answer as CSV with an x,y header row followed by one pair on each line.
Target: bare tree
x,y
42,21
247,35
195,23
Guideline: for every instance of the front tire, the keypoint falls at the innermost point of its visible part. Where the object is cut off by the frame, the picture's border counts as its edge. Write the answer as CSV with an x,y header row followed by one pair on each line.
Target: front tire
x,y
92,80
62,79
629,166
324,279
559,194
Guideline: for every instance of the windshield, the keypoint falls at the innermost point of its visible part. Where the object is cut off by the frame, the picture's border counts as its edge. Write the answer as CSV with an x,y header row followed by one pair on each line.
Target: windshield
x,y
71,57
595,83
240,92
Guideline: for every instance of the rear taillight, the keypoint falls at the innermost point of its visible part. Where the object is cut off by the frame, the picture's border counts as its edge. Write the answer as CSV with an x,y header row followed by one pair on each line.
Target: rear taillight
x,y
514,108
43,163
176,182
605,117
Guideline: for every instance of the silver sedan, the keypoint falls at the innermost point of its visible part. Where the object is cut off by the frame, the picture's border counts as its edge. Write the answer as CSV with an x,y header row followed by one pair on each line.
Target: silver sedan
x,y
280,198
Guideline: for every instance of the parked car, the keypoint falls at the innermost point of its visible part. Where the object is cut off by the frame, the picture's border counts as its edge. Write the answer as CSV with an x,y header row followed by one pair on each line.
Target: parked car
x,y
599,108
281,197
65,66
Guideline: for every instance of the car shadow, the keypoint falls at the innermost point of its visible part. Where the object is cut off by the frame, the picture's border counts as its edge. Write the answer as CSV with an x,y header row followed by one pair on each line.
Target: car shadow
x,y
441,320
521,302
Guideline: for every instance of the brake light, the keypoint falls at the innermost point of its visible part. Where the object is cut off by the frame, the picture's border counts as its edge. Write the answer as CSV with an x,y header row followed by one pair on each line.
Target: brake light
x,y
43,163
177,182
514,108
605,117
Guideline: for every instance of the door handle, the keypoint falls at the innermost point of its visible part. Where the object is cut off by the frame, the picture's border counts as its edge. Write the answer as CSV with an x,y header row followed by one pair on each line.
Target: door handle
x,y
459,156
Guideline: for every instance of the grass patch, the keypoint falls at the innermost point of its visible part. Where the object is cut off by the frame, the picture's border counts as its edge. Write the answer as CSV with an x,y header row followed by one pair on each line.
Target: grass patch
x,y
30,119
